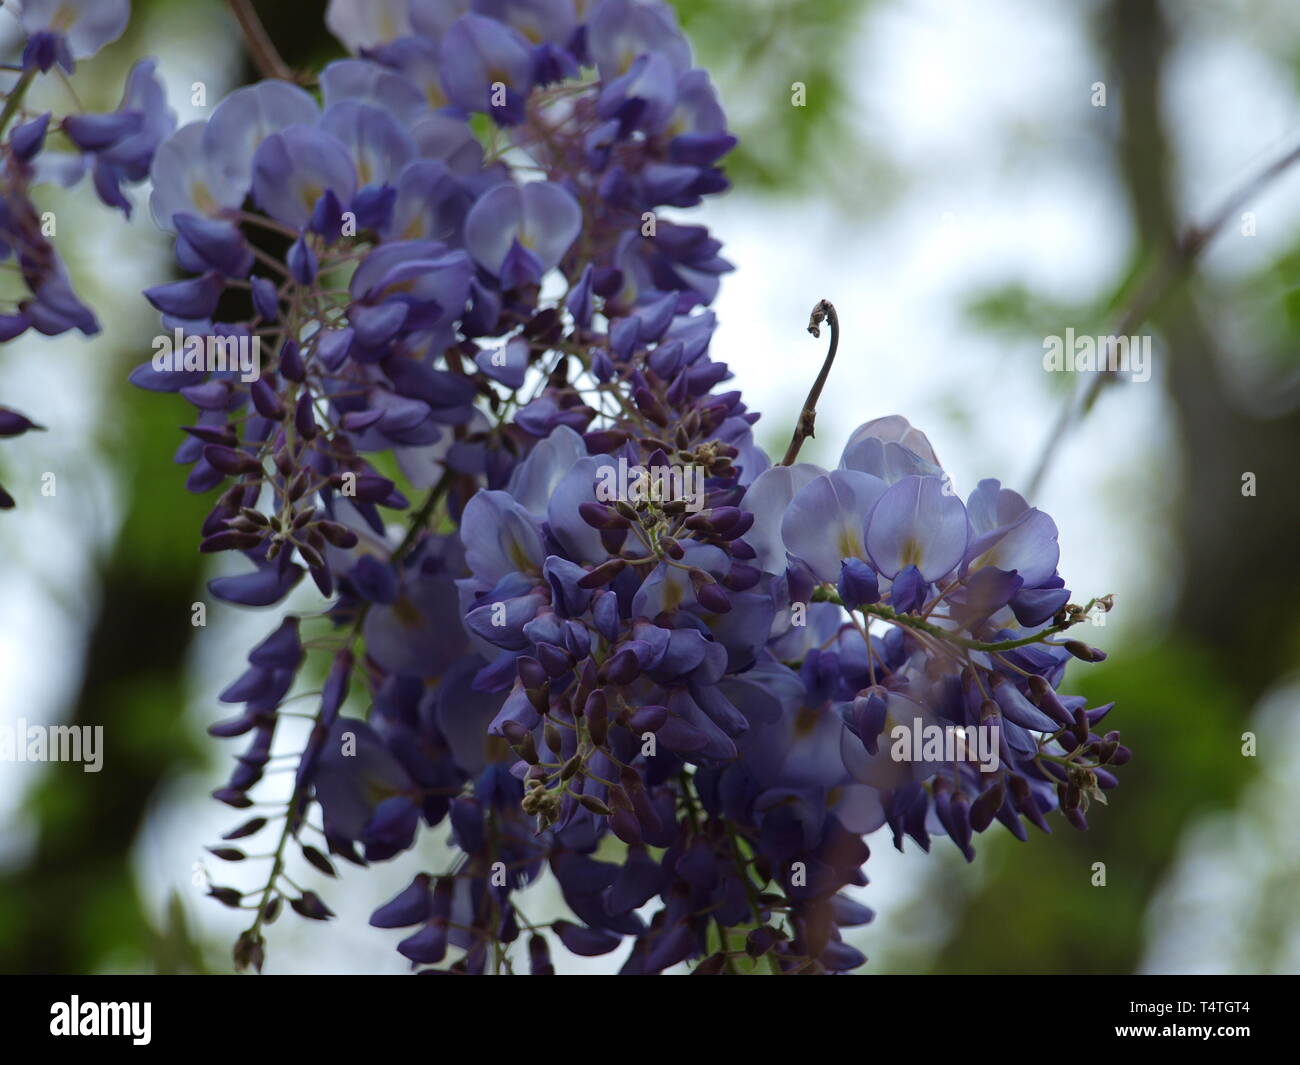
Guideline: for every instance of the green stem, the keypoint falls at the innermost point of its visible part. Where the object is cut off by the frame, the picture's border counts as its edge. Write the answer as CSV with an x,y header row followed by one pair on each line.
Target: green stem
x,y
828,595
15,99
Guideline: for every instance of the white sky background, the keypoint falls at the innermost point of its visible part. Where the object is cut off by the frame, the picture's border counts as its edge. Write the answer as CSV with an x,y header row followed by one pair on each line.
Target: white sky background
x,y
985,110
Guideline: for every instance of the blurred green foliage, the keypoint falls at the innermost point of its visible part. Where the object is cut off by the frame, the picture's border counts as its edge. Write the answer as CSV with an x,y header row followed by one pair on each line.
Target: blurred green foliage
x,y
757,51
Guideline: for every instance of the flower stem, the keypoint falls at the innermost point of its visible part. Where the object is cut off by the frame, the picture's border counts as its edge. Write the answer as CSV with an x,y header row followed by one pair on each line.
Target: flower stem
x,y
15,98
829,595
266,57
824,311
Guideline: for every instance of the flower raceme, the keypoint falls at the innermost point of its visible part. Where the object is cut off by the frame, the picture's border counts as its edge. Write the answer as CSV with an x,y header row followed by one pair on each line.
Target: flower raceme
x,y
114,148
689,703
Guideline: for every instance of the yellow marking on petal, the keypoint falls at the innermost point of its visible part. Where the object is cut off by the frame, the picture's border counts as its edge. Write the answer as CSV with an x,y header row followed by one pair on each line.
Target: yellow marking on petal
x,y
203,198
850,544
519,557
673,596
408,613
806,720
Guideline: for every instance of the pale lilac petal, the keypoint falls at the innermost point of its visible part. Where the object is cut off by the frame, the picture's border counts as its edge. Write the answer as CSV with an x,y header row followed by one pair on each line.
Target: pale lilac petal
x,y
365,82
544,219
535,480
893,428
185,181
824,523
245,118
433,18
380,148
767,499
536,20
917,524
992,507
500,537
87,25
621,30
580,541
551,221
362,24
294,167
1029,547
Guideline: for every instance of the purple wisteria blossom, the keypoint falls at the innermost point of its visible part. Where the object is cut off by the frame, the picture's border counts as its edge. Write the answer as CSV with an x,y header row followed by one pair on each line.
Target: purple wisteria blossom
x,y
446,341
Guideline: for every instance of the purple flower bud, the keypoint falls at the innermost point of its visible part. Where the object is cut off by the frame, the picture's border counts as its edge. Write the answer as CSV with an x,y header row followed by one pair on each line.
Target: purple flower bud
x,y
337,535
281,650
301,261
291,365
908,592
1083,652
554,660
427,946
858,583
647,719
410,906
266,300
596,713
578,301
868,715
14,424
218,243
28,138
304,418
623,667
231,461
539,956
587,942
265,400
713,598
193,298
94,133
603,574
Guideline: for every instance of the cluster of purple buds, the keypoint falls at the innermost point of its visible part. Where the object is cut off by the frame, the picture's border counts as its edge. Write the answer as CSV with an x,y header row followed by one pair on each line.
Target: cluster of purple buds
x,y
446,356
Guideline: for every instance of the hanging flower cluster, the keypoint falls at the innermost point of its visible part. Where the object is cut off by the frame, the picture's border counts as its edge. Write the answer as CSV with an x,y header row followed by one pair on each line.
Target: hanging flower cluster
x,y
115,149
448,356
